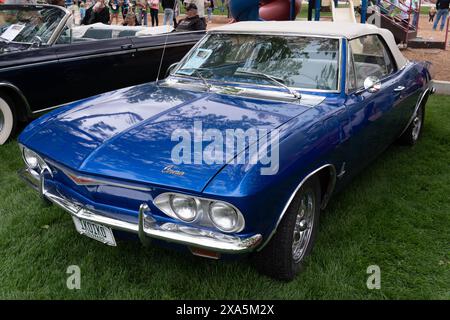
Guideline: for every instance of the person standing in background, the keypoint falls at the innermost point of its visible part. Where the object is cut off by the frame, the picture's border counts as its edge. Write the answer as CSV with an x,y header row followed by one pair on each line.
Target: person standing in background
x,y
176,13
210,10
142,9
124,5
82,11
99,12
431,14
227,5
404,6
114,7
154,10
169,8
415,12
311,7
442,13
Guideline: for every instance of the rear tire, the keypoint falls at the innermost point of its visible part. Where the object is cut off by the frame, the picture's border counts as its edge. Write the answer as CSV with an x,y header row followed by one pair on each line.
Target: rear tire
x,y
7,119
284,255
414,130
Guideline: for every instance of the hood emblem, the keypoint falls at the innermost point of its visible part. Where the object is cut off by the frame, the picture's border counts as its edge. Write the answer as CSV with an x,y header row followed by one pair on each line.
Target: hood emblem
x,y
171,169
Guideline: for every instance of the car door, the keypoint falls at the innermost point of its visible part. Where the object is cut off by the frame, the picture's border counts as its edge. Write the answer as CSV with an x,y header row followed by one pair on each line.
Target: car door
x,y
34,72
93,65
374,113
150,50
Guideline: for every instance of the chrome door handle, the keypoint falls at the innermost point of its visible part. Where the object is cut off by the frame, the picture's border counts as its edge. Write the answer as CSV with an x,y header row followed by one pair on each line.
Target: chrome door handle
x,y
126,47
399,88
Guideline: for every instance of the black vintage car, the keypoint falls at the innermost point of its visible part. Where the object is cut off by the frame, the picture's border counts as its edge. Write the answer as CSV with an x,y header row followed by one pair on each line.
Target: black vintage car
x,y
46,61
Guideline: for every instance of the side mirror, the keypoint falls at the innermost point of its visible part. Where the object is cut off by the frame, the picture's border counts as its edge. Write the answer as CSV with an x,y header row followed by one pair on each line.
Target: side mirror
x,y
171,68
36,42
372,84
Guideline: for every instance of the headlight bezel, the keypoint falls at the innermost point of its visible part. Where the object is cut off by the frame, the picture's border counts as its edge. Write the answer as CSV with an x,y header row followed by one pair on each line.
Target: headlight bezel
x,y
194,207
203,205
26,155
239,223
40,166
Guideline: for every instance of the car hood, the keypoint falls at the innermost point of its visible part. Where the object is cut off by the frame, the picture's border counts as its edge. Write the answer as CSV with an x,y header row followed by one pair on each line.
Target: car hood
x,y
129,133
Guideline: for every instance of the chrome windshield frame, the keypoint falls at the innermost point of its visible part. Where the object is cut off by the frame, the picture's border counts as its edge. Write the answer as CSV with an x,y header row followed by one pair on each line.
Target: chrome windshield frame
x,y
271,86
56,33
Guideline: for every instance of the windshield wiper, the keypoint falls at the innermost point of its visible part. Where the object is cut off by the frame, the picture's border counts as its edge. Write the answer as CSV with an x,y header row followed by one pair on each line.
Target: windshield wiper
x,y
273,79
197,71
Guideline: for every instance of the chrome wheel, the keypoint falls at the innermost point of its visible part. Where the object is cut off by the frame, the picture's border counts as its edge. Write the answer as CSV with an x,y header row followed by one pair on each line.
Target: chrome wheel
x,y
2,120
303,225
417,126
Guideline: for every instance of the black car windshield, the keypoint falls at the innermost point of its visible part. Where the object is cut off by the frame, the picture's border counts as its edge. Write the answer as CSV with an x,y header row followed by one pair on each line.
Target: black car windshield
x,y
29,24
295,61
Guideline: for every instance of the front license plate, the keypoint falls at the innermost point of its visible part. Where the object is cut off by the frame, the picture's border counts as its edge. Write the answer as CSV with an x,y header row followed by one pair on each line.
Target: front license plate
x,y
95,231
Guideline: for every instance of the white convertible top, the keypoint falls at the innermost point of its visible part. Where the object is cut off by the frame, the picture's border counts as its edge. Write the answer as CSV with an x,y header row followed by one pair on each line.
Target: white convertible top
x,y
315,28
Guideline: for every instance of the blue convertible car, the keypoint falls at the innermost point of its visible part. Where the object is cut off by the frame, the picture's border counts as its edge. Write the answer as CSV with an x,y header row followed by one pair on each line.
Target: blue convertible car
x,y
240,147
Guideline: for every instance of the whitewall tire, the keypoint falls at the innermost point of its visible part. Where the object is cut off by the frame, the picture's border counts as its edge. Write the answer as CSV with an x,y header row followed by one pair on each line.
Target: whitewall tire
x,y
7,120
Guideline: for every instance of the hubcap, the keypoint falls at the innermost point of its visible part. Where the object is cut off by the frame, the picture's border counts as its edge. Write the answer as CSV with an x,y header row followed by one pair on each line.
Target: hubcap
x,y
2,120
417,125
303,226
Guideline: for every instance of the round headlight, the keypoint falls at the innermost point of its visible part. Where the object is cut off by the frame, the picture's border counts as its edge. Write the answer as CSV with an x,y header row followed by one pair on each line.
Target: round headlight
x,y
31,158
184,207
224,217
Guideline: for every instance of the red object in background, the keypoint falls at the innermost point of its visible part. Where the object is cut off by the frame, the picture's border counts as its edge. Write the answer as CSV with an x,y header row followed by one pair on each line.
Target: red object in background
x,y
277,9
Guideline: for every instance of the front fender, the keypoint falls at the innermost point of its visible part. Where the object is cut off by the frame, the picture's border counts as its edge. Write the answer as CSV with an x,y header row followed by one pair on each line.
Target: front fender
x,y
306,147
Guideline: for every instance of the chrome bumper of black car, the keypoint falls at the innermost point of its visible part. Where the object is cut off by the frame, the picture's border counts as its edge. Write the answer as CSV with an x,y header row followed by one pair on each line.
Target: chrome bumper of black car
x,y
147,226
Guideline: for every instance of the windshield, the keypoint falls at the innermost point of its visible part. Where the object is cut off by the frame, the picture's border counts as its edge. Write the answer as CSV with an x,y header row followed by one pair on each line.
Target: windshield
x,y
33,24
295,61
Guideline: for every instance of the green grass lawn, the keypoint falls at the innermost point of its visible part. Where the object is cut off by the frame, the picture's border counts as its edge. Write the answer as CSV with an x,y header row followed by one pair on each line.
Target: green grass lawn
x,y
396,215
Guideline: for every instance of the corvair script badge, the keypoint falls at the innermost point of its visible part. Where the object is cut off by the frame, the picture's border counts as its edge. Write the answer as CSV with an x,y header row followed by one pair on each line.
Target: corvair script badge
x,y
172,170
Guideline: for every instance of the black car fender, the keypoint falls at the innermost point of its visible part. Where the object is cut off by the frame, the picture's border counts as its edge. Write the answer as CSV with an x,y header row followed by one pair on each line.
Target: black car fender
x,y
21,106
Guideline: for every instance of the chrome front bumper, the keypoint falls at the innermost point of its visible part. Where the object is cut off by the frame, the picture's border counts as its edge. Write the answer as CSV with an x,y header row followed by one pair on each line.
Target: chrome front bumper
x,y
147,226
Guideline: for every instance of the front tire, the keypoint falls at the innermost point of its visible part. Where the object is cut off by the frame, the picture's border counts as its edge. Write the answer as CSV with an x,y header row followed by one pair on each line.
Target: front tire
x,y
414,130
7,119
284,255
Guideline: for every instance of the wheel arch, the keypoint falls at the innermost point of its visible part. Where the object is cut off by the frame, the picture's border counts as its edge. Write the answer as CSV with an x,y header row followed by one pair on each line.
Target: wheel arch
x,y
20,103
421,101
327,179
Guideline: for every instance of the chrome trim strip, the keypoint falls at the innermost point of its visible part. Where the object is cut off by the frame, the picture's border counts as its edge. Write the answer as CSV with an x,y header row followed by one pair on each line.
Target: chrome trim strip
x,y
59,27
147,227
176,44
143,209
419,102
98,55
308,100
22,66
58,30
263,86
37,112
325,200
96,181
162,201
201,41
28,177
274,33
